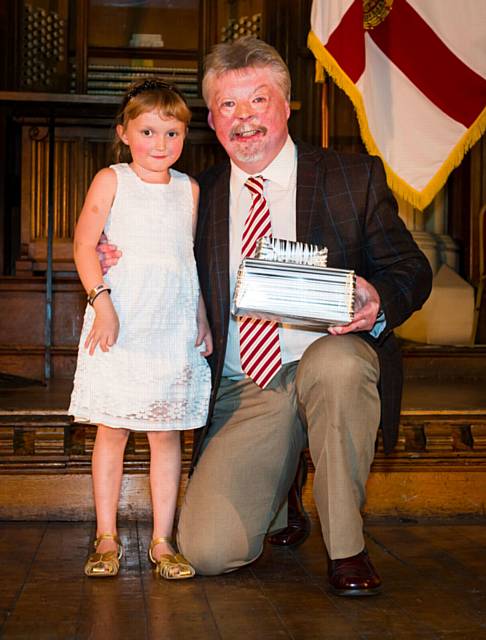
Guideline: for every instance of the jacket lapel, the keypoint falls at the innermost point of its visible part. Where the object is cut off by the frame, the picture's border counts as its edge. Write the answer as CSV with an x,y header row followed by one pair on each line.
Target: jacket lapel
x,y
309,197
219,263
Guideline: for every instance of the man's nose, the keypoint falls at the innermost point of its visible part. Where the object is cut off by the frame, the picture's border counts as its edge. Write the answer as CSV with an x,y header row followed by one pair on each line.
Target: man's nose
x,y
243,110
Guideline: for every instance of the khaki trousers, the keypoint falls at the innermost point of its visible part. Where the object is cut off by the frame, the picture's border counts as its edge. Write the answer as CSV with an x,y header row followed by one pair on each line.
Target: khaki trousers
x,y
241,481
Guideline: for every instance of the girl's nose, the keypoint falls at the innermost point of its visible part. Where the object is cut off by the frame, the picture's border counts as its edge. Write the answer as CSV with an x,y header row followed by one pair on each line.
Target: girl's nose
x,y
160,143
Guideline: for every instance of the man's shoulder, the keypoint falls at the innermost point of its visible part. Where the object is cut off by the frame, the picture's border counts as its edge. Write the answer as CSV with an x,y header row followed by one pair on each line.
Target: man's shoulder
x,y
210,175
330,157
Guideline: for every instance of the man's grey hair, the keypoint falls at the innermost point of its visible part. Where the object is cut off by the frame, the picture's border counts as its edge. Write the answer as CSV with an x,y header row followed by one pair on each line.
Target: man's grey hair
x,y
244,52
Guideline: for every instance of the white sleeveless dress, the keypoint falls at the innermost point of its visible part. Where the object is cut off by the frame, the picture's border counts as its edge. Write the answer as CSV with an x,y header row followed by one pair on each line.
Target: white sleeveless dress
x,y
154,378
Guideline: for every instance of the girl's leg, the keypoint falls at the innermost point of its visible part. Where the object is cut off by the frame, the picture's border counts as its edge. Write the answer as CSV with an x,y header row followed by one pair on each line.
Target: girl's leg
x,y
165,471
107,469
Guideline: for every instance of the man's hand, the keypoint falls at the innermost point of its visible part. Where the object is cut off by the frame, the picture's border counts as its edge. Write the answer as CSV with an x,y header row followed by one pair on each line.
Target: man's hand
x,y
367,306
108,254
203,331
204,335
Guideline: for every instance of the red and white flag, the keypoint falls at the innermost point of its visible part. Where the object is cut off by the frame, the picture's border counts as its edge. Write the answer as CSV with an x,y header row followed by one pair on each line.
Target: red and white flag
x,y
415,71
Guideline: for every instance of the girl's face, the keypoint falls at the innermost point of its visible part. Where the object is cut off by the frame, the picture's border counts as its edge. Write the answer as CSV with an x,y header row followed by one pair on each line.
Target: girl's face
x,y
155,144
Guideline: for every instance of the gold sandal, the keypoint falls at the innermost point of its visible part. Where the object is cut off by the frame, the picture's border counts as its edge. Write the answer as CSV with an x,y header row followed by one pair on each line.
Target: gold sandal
x,y
170,567
103,565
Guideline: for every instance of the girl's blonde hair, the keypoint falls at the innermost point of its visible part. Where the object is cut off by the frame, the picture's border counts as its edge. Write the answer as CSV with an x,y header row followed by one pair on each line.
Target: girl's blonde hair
x,y
146,95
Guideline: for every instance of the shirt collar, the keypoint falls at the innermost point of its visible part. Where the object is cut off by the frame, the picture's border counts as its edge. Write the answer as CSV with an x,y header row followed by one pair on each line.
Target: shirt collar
x,y
279,171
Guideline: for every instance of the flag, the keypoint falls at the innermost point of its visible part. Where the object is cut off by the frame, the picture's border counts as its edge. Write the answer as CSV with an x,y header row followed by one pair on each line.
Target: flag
x,y
415,71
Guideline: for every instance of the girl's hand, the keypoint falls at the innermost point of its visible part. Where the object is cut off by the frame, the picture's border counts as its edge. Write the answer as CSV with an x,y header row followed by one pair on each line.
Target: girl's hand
x,y
104,332
204,335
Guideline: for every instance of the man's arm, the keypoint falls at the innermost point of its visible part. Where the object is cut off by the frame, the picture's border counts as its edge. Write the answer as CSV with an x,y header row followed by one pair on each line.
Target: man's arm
x,y
395,267
397,277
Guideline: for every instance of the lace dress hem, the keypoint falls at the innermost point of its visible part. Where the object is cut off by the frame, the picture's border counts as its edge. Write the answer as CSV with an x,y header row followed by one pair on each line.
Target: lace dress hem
x,y
135,425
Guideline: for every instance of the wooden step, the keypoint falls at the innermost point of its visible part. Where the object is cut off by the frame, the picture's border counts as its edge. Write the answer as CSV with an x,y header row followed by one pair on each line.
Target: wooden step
x,y
438,362
23,328
437,469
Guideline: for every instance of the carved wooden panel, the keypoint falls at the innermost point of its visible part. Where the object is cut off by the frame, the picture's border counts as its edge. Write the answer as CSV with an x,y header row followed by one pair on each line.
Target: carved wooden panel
x,y
78,153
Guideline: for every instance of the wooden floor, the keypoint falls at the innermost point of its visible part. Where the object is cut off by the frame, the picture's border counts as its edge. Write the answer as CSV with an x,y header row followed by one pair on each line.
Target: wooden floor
x,y
434,587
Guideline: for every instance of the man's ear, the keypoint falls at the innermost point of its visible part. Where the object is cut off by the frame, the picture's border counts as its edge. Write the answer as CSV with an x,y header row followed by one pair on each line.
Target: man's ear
x,y
120,132
210,119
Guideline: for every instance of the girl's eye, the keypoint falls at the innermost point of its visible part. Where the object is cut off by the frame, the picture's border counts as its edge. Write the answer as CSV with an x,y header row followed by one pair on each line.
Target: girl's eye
x,y
147,132
172,134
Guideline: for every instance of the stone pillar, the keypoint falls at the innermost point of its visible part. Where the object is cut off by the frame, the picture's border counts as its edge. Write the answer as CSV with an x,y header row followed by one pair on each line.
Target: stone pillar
x,y
428,229
436,215
415,222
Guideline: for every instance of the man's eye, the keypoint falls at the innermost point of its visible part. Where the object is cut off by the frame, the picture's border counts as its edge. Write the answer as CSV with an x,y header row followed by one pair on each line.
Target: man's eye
x,y
260,99
228,104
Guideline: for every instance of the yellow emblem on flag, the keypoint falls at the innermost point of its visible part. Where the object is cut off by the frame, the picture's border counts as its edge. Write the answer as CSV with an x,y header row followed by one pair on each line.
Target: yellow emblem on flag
x,y
375,11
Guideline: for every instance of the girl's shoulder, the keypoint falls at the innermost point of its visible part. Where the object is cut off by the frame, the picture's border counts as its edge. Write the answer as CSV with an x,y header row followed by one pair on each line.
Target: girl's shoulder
x,y
178,175
185,185
120,168
105,179
184,179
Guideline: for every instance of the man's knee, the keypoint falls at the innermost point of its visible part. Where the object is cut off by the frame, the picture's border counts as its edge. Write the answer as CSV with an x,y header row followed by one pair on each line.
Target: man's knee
x,y
208,560
205,559
333,359
214,547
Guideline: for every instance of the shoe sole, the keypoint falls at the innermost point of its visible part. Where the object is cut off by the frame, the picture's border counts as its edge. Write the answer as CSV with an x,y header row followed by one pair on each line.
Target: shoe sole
x,y
355,592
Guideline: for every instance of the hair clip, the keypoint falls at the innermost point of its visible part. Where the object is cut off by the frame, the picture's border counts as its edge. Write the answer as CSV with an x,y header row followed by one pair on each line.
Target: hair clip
x,y
150,85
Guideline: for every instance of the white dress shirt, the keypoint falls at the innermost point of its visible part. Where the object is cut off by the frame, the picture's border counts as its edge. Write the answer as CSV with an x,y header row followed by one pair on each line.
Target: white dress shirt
x,y
280,189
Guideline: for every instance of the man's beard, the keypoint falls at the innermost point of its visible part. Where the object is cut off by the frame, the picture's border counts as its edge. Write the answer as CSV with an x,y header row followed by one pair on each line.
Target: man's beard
x,y
248,153
248,156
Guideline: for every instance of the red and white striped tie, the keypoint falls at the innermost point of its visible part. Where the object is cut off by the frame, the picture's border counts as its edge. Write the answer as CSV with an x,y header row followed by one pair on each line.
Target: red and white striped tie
x,y
259,343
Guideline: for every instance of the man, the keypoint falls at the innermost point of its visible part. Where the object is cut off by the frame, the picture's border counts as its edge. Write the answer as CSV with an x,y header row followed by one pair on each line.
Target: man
x,y
328,389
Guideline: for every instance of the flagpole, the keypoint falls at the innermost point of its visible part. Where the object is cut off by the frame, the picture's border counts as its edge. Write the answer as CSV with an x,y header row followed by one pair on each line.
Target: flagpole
x,y
325,114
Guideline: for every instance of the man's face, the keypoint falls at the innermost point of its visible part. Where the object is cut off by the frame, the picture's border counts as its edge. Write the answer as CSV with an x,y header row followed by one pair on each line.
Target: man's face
x,y
249,113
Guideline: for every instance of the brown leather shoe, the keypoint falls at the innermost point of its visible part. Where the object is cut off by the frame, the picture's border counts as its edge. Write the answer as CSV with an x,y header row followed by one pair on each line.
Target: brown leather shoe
x,y
298,523
354,576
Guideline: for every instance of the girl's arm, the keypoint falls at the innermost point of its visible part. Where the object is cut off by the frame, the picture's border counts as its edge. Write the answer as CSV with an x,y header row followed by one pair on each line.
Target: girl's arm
x,y
203,330
91,222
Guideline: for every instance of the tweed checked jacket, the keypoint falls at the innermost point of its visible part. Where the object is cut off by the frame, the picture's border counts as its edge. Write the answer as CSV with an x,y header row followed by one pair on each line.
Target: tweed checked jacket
x,y
343,202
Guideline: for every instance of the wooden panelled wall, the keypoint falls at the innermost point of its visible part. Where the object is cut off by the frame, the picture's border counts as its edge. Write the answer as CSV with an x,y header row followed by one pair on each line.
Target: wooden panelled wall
x,y
81,150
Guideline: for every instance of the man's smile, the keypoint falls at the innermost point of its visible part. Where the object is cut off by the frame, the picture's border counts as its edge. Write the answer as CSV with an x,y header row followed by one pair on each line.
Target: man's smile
x,y
243,133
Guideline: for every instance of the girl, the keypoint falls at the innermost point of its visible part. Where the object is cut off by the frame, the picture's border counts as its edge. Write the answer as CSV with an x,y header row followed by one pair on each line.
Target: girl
x,y
140,362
